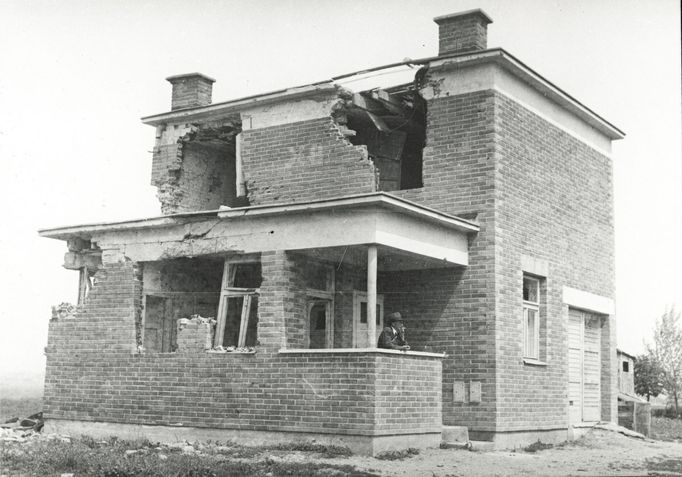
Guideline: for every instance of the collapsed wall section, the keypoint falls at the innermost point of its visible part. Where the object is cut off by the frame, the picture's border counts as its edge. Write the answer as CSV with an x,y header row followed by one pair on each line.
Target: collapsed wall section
x,y
296,152
193,166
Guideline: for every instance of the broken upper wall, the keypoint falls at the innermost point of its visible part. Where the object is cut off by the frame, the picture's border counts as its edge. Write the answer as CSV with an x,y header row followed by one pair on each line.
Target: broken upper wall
x,y
295,150
291,149
320,141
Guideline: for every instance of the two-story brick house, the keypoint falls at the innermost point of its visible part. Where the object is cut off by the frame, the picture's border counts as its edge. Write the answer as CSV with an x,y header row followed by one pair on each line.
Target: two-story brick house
x,y
475,198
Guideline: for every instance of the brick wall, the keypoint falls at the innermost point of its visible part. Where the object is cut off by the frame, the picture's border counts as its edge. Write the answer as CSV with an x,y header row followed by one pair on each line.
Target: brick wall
x,y
303,161
109,319
207,180
195,335
459,178
553,202
346,393
537,191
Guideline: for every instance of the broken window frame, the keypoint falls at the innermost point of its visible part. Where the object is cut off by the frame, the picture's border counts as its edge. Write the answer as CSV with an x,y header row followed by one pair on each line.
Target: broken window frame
x,y
84,285
227,291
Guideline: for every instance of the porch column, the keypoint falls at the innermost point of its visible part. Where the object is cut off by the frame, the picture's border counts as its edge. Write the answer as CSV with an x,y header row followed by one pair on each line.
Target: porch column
x,y
372,296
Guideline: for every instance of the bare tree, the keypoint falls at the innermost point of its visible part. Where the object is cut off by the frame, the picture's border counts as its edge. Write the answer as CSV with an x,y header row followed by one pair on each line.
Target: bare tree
x,y
667,351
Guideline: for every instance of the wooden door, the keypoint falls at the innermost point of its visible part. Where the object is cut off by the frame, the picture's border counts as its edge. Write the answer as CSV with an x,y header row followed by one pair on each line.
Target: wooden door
x,y
584,367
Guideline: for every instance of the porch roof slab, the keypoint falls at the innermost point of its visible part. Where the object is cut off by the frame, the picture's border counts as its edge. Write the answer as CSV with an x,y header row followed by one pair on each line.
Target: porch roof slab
x,y
376,218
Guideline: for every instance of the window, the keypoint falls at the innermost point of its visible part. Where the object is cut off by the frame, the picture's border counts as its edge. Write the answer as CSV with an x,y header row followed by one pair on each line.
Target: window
x,y
531,317
360,326
319,282
238,307
626,367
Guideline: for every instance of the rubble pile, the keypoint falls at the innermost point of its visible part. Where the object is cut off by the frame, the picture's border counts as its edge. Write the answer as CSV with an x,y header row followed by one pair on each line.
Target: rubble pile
x,y
63,310
19,430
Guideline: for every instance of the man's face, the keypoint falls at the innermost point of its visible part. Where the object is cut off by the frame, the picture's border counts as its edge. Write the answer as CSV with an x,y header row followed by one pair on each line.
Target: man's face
x,y
399,326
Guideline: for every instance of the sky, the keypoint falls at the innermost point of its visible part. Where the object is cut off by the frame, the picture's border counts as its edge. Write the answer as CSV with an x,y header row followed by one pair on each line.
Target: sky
x,y
77,75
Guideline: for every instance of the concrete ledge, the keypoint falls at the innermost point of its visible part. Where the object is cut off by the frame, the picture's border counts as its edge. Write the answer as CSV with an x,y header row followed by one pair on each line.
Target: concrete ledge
x,y
362,445
360,350
588,301
517,439
455,434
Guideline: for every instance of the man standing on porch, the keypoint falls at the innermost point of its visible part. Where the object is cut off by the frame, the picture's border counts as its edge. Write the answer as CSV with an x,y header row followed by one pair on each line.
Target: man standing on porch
x,y
393,335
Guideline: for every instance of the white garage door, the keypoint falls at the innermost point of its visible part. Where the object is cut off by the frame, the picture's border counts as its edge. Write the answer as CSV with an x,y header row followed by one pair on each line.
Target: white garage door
x,y
584,367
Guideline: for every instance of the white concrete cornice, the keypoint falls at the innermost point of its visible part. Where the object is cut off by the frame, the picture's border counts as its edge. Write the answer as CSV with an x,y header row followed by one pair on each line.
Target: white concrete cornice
x,y
379,199
588,301
361,351
227,108
535,81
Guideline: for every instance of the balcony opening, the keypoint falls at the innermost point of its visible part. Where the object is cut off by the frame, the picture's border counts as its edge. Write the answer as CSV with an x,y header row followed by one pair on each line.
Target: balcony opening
x,y
391,123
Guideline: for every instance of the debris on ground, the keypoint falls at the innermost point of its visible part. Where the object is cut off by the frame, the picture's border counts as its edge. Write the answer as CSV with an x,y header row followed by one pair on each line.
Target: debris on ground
x,y
610,426
19,427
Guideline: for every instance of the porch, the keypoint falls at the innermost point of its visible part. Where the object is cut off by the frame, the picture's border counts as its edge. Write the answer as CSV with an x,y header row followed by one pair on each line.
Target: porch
x,y
298,294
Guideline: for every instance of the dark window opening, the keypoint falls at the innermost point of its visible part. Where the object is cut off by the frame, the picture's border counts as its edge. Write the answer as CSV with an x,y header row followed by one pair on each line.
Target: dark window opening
x,y
175,289
626,367
318,315
392,125
363,313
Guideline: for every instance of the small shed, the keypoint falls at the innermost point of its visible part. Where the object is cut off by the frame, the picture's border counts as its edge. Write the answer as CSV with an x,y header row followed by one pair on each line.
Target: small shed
x,y
633,411
626,372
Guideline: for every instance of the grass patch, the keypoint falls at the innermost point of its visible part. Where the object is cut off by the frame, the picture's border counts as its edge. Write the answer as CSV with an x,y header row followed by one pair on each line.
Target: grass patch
x,y
666,429
109,459
665,464
20,408
537,446
398,454
325,451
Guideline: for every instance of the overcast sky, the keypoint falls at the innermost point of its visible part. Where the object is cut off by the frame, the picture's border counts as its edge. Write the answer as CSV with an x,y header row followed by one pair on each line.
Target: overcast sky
x,y
78,75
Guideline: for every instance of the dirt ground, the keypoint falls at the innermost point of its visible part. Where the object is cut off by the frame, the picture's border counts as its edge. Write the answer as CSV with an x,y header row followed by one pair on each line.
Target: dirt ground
x,y
599,453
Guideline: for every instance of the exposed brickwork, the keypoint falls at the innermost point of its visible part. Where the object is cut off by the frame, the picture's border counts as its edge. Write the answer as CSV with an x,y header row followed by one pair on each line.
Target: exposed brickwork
x,y
303,161
463,33
197,170
195,335
190,91
341,393
107,322
553,201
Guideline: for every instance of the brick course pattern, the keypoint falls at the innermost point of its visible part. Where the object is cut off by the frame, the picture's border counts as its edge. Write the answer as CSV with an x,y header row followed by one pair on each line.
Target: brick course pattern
x,y
553,197
304,161
192,177
536,190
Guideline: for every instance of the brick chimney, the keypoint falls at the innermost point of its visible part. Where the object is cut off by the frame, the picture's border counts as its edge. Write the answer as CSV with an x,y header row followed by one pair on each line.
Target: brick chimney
x,y
190,90
462,32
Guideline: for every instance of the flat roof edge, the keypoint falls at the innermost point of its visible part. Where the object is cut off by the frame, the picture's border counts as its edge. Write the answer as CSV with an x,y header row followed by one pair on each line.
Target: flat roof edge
x,y
227,107
373,198
506,59
536,81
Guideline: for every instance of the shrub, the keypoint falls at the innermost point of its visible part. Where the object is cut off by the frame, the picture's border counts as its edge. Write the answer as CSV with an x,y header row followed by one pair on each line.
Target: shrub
x,y
398,454
668,412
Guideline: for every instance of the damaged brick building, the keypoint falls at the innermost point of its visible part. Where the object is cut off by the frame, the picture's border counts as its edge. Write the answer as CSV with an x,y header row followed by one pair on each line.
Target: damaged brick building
x,y
475,198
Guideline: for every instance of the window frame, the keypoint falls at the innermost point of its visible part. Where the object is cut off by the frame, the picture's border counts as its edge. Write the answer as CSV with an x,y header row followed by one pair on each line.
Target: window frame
x,y
227,291
528,307
315,296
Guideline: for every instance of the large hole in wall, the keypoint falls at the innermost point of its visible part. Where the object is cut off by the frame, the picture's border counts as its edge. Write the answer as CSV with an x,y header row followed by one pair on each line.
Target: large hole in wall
x,y
175,289
209,171
392,125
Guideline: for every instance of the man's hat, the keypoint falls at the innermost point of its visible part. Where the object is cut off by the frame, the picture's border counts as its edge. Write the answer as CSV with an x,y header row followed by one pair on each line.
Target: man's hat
x,y
393,317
